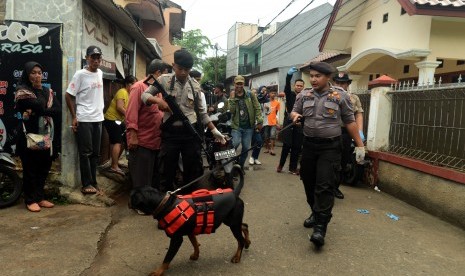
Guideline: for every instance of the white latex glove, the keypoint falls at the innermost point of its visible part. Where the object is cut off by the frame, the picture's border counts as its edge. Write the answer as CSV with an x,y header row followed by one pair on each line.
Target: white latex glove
x,y
359,154
218,136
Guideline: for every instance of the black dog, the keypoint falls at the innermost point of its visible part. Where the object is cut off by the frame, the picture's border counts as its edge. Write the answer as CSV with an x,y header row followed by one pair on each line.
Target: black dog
x,y
228,209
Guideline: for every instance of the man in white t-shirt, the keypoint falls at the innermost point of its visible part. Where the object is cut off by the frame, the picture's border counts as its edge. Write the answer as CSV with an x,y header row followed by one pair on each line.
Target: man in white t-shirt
x,y
84,99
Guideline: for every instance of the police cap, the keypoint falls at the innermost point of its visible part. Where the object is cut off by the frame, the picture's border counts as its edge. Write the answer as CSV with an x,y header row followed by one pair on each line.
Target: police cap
x,y
322,67
183,58
342,77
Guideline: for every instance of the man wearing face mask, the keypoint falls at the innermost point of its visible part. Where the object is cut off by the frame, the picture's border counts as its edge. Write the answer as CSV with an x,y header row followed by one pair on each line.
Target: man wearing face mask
x,y
176,137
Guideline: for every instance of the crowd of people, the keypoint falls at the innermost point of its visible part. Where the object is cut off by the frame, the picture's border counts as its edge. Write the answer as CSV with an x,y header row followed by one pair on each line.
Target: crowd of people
x,y
162,126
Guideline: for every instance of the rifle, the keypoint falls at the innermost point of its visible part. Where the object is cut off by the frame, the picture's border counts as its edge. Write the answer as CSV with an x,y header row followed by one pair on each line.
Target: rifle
x,y
154,88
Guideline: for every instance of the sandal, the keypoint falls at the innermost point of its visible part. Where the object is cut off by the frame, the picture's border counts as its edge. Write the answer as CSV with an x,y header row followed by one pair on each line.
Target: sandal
x,y
46,204
272,153
89,189
33,207
117,171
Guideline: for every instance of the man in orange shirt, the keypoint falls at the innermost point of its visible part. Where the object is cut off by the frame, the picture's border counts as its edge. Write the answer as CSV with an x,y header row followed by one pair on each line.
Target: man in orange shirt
x,y
271,112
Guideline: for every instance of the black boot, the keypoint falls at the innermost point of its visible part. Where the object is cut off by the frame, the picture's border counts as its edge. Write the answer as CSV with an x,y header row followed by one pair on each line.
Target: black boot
x,y
338,193
319,230
310,221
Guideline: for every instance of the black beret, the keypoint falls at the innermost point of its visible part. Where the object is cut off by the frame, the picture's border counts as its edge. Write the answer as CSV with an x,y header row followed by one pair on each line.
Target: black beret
x,y
342,77
183,58
322,67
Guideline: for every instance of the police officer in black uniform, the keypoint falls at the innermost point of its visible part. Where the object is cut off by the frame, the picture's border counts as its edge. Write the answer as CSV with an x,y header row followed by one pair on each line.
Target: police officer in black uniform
x,y
176,137
323,107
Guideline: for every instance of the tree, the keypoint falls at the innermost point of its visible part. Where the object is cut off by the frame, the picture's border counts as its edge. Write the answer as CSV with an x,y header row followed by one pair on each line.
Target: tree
x,y
197,44
209,66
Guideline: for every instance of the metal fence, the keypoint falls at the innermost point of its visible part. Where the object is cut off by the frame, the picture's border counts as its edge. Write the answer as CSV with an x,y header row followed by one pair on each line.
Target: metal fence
x,y
429,124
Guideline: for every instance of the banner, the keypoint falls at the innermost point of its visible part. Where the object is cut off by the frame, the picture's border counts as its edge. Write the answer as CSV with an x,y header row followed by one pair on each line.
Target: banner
x,y
21,42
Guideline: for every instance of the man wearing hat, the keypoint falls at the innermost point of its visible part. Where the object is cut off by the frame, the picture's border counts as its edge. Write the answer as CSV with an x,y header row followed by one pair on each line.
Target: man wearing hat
x,y
323,107
342,80
176,137
246,116
84,99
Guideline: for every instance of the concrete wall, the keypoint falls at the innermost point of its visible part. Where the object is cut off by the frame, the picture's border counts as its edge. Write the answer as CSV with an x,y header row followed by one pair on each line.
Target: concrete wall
x,y
399,32
440,197
295,41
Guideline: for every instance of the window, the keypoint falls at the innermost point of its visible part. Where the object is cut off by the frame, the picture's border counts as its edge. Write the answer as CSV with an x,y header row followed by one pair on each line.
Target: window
x,y
256,59
369,25
385,17
442,63
406,69
377,75
370,78
460,62
246,59
402,11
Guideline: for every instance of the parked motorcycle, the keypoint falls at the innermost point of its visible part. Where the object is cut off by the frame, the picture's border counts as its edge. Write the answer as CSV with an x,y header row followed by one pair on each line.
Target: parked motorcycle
x,y
353,173
222,158
11,184
222,162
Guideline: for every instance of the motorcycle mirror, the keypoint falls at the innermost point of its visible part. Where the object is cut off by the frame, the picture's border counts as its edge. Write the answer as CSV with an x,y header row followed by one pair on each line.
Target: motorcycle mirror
x,y
221,105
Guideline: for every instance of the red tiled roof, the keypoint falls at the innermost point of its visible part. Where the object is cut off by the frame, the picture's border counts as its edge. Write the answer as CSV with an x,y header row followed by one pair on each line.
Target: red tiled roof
x,y
322,56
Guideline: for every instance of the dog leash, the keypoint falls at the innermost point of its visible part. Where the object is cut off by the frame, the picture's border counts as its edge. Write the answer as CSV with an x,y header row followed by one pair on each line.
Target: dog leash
x,y
209,172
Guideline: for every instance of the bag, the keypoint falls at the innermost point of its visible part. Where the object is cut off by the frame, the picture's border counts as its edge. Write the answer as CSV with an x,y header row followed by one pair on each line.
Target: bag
x,y
38,141
42,141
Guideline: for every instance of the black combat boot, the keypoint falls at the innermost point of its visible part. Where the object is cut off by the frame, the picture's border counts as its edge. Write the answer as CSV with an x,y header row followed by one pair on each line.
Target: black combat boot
x,y
319,229
310,221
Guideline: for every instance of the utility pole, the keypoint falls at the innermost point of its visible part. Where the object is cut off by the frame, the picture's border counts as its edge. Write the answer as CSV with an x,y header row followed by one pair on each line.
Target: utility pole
x,y
216,63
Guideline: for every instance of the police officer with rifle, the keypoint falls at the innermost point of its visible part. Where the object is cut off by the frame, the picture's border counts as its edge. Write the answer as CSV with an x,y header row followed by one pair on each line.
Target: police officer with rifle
x,y
183,121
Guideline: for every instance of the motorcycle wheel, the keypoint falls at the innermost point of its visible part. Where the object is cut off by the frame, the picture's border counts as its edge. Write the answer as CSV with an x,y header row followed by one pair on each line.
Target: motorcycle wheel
x,y
11,187
237,179
354,174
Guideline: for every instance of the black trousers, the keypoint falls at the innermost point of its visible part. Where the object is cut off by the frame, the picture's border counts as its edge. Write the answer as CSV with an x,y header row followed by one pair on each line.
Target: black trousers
x,y
173,144
89,137
36,165
143,167
346,153
292,143
320,166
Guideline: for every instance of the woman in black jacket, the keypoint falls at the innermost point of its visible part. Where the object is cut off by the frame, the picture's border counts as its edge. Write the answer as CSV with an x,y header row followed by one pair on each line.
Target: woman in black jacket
x,y
38,107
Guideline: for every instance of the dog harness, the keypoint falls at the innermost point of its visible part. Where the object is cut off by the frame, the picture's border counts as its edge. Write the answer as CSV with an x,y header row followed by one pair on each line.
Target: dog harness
x,y
177,217
201,203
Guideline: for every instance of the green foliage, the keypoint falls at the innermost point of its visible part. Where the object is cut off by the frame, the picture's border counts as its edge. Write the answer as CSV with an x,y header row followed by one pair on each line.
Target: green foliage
x,y
209,69
197,44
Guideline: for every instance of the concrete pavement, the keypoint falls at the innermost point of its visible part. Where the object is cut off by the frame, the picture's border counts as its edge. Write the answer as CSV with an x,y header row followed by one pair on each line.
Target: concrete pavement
x,y
87,240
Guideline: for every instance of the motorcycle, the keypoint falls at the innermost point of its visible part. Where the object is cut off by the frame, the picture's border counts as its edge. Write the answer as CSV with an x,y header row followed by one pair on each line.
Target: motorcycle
x,y
222,162
222,158
354,172
11,185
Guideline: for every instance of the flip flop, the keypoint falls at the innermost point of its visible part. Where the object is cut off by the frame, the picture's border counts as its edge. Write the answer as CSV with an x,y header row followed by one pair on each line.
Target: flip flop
x,y
89,189
117,171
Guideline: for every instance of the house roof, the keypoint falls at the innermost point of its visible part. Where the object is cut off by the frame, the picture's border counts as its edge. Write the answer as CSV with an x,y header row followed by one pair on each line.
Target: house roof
x,y
448,8
325,56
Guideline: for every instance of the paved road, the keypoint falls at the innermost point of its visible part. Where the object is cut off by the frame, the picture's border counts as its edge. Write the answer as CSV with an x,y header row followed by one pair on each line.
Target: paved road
x,y
85,240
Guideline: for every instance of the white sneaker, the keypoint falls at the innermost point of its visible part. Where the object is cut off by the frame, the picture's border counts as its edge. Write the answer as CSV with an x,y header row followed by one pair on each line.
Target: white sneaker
x,y
251,161
257,162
